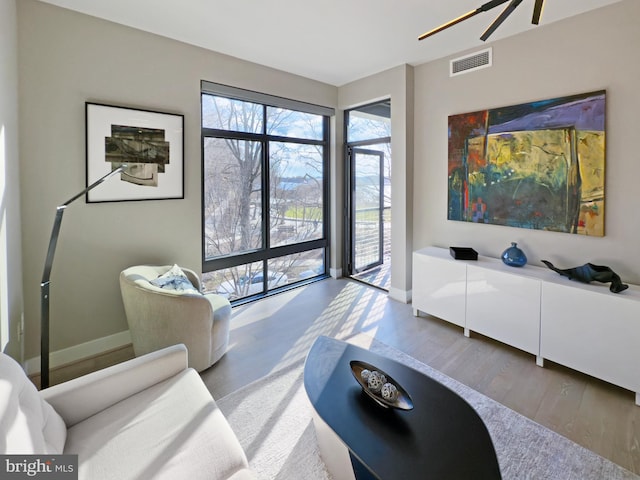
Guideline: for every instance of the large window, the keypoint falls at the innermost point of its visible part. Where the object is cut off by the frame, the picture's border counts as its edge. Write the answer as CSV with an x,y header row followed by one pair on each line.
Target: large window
x,y
265,190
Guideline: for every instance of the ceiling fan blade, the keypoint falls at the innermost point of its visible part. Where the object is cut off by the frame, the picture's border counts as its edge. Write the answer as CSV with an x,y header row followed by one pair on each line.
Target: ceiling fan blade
x,y
448,24
537,11
492,4
501,18
472,13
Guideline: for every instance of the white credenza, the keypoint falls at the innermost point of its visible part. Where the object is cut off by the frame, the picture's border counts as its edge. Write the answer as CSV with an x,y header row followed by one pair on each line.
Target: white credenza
x,y
583,326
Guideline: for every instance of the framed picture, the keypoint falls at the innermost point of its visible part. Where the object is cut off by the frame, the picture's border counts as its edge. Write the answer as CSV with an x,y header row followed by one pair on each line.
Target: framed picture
x,y
538,165
150,144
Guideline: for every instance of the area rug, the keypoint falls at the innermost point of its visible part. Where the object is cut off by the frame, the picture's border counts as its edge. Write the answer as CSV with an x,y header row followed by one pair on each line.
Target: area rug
x,y
272,419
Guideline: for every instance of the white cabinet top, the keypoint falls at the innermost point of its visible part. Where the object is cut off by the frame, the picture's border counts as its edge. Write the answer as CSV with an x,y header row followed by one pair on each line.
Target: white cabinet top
x,y
534,272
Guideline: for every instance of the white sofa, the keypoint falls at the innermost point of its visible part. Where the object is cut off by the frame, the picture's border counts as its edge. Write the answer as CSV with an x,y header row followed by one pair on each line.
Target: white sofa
x,y
148,418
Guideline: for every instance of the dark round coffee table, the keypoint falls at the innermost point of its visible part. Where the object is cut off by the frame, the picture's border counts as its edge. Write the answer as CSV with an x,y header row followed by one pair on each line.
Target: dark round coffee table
x,y
441,438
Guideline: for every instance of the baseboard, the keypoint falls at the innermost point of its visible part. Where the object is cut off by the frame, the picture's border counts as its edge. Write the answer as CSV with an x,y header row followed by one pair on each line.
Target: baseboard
x,y
403,296
80,352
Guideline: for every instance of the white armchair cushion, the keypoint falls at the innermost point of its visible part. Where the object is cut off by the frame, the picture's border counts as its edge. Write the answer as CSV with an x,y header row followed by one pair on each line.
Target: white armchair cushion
x,y
28,423
171,430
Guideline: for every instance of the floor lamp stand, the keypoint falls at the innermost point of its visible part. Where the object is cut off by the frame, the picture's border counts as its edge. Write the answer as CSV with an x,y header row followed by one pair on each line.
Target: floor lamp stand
x,y
46,278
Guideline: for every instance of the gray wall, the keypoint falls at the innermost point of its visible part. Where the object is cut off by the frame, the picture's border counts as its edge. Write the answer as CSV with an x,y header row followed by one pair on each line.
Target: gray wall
x,y
10,244
66,59
593,51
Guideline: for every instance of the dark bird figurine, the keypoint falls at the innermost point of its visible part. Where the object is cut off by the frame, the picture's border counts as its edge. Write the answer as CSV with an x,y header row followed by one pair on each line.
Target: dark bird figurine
x,y
589,272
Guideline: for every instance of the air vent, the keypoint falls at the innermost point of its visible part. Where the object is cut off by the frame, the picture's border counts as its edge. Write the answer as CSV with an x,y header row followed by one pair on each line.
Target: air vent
x,y
469,63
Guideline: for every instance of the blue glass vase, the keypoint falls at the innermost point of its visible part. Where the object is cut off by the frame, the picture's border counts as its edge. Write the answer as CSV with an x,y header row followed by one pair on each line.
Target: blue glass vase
x,y
513,256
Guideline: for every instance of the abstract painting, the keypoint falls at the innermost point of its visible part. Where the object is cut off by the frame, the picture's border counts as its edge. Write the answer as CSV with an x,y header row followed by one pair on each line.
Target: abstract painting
x,y
537,165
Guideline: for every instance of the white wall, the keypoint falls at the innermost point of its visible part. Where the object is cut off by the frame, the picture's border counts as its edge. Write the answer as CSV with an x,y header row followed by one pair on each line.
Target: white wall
x,y
66,59
593,51
10,244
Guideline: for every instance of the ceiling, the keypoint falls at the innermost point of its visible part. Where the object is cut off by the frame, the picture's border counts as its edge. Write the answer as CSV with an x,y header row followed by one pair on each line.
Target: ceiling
x,y
332,41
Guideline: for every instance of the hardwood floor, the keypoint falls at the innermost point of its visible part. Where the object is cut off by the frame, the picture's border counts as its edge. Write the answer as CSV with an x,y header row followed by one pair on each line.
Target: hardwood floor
x,y
271,333
277,331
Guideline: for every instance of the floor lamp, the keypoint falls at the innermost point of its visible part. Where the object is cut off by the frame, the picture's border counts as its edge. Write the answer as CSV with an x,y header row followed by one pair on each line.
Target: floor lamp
x,y
46,282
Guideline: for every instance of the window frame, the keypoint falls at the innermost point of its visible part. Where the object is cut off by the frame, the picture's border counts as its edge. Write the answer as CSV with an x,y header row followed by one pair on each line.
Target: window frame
x,y
266,252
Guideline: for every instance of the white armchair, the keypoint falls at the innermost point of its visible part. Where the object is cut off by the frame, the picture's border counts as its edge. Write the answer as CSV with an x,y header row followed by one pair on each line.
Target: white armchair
x,y
159,317
148,418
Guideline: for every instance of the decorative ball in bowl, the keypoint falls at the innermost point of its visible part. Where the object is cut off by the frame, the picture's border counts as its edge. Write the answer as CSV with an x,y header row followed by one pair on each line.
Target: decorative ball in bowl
x,y
380,386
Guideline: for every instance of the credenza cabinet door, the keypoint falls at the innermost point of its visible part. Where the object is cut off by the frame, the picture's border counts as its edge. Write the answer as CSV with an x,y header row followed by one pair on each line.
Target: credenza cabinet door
x,y
504,306
439,286
592,332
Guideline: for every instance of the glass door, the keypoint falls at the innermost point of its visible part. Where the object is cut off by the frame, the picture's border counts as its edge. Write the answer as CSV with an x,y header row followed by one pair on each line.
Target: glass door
x,y
367,226
367,208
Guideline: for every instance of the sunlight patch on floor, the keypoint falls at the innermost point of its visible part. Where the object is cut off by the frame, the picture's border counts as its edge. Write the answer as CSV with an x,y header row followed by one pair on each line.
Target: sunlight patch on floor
x,y
261,309
325,324
354,307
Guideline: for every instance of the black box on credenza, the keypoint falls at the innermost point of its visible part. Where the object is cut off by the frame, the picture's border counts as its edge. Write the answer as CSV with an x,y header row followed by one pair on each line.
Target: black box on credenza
x,y
463,253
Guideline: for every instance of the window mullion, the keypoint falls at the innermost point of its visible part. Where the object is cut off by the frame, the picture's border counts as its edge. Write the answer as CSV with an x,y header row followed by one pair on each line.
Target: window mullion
x,y
266,198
